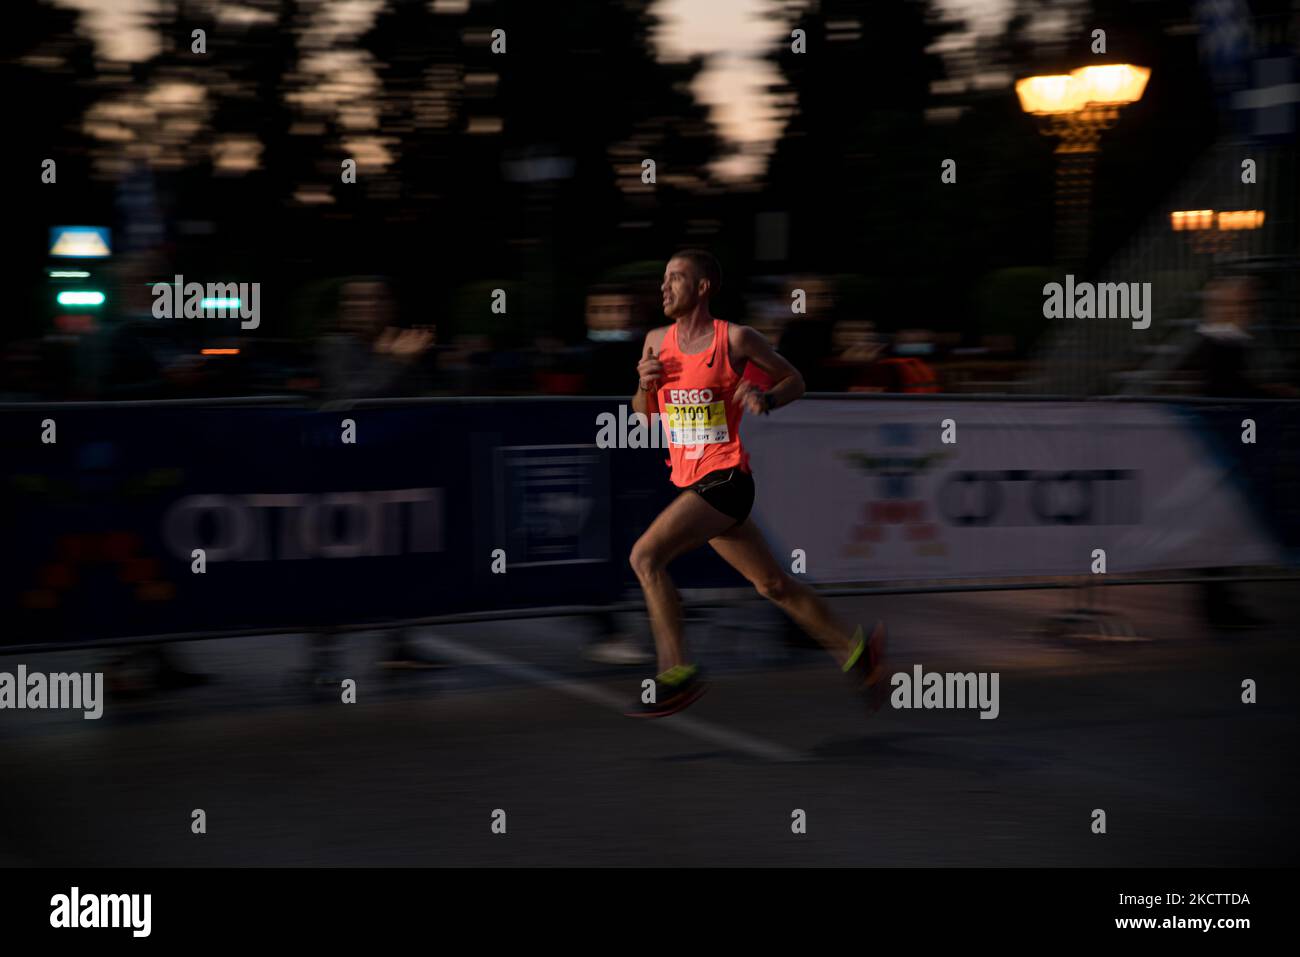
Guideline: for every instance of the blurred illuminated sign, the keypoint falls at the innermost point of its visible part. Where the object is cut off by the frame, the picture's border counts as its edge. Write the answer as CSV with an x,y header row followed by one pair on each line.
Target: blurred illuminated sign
x,y
87,297
1226,219
80,242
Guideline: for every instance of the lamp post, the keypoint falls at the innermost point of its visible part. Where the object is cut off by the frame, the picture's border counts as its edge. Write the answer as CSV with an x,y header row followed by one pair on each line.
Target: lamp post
x,y
1075,108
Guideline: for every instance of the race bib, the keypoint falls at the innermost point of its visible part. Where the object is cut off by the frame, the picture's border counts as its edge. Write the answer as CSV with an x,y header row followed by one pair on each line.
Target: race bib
x,y
696,423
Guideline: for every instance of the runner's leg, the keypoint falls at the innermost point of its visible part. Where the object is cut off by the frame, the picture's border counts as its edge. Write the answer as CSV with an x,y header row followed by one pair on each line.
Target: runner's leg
x,y
745,549
686,524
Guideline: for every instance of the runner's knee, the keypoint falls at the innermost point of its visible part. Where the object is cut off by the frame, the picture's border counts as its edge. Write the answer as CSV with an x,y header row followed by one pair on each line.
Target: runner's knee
x,y
644,559
773,587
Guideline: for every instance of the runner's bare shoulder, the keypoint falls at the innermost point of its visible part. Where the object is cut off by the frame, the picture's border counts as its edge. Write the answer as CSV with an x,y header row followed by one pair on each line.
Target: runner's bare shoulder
x,y
655,338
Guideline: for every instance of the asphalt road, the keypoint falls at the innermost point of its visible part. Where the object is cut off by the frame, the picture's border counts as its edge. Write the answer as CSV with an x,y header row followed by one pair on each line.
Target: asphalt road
x,y
1152,732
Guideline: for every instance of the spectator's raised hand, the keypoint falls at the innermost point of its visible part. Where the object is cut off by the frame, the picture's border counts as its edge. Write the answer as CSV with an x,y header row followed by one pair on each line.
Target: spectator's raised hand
x,y
403,343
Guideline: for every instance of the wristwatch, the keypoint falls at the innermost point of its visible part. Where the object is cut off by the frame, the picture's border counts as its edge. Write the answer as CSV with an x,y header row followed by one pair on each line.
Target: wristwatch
x,y
769,402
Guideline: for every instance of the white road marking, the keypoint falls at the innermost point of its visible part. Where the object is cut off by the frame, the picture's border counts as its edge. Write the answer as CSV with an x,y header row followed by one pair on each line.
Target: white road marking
x,y
684,724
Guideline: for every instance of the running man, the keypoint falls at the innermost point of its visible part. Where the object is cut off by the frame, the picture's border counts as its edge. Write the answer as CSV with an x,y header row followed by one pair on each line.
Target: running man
x,y
693,373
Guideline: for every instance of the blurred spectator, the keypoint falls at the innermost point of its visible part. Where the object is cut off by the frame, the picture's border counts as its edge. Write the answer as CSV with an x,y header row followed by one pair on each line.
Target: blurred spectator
x,y
466,364
617,319
806,340
863,362
769,328
904,368
113,362
557,367
368,356
1223,350
1222,359
111,355
126,354
905,374
511,369
854,348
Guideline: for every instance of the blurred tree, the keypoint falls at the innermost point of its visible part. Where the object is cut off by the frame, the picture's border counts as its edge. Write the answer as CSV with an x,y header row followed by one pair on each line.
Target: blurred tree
x,y
529,162
858,167
227,140
1010,302
863,184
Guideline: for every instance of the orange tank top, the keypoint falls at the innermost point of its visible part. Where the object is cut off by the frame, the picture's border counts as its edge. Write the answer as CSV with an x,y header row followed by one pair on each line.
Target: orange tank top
x,y
698,417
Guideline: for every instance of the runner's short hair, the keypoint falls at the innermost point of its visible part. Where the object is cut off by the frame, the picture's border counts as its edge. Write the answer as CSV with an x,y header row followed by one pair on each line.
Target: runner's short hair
x,y
706,265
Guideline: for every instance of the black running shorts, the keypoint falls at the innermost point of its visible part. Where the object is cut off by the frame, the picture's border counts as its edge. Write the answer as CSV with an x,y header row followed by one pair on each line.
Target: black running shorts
x,y
730,491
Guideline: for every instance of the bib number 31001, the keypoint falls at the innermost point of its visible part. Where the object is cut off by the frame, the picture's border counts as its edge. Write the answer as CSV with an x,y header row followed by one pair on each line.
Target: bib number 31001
x,y
697,424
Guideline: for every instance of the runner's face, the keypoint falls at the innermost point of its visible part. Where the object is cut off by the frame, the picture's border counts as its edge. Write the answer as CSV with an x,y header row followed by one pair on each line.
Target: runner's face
x,y
681,288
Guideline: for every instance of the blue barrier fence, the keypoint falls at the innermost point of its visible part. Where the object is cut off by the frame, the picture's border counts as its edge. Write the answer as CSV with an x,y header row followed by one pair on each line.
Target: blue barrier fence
x,y
301,529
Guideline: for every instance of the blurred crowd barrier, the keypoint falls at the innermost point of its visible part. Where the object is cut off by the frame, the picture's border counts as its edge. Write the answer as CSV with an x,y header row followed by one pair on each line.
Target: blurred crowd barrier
x,y
916,489
183,518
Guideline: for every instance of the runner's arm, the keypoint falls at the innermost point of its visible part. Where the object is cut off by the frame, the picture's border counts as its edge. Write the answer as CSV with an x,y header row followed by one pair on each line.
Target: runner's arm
x,y
639,401
787,383
654,339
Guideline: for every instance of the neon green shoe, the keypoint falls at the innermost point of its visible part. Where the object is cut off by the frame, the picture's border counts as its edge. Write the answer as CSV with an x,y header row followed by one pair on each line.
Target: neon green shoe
x,y
866,666
674,690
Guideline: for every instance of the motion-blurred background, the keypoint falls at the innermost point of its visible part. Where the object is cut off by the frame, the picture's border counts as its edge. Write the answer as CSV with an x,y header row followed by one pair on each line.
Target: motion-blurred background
x,y
911,174
522,171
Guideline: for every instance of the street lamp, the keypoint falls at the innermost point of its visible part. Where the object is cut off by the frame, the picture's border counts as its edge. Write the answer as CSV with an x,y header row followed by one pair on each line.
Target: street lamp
x,y
1075,108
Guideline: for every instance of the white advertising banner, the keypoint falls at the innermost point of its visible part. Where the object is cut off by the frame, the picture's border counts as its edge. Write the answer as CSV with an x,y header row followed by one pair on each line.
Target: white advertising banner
x,y
871,491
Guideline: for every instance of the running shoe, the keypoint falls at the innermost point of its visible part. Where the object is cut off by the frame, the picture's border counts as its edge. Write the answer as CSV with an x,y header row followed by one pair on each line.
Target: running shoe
x,y
675,689
866,665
